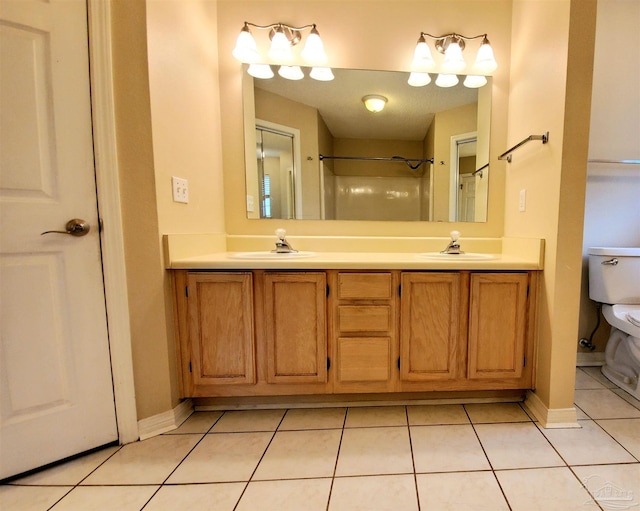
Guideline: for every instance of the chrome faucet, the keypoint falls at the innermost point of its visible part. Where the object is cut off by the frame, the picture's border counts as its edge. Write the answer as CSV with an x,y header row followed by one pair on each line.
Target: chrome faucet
x,y
453,247
282,245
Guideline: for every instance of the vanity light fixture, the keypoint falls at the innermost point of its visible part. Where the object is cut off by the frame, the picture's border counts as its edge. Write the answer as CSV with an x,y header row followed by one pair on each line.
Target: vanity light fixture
x,y
452,47
283,38
374,103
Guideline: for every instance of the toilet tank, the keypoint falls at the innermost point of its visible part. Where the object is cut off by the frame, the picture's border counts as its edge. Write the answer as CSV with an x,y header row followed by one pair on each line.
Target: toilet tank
x,y
614,275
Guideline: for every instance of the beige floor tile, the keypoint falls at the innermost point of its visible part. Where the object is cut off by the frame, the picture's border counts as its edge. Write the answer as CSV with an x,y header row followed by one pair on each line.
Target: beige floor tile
x,y
30,498
196,497
248,420
376,416
627,397
448,448
612,486
585,381
300,454
588,445
71,472
460,491
367,451
604,404
225,457
625,431
426,415
198,422
106,498
146,462
313,418
548,489
596,373
580,415
516,445
293,495
374,493
496,412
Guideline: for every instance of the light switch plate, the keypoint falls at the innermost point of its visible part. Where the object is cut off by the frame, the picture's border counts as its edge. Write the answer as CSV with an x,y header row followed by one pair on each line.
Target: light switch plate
x,y
180,189
522,204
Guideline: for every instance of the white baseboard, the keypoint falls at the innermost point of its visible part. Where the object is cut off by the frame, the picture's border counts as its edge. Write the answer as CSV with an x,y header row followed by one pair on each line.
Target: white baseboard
x,y
165,421
595,358
550,418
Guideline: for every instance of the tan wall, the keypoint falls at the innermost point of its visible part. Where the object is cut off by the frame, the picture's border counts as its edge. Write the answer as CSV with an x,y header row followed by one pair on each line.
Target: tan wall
x,y
551,67
352,38
152,345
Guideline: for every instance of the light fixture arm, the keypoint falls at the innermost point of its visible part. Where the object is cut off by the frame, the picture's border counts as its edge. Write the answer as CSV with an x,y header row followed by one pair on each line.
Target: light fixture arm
x,y
443,41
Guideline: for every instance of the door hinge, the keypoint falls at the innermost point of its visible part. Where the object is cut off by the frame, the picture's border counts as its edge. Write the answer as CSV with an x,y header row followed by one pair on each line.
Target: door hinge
x,y
327,290
190,367
398,363
400,290
524,361
527,290
328,363
186,291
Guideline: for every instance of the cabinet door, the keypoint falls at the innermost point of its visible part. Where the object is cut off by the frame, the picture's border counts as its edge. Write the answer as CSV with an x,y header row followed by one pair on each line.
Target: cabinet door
x,y
295,327
221,328
430,326
497,325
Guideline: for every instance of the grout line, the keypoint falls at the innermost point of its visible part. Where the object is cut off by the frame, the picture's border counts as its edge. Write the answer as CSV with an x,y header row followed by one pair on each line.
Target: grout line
x,y
335,466
259,461
595,421
504,495
413,460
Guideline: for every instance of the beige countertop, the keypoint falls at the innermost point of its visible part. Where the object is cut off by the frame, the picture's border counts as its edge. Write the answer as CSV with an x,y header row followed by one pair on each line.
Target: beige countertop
x,y
507,254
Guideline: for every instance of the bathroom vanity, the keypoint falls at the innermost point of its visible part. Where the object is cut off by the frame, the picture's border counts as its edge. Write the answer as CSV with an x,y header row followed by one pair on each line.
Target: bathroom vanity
x,y
353,324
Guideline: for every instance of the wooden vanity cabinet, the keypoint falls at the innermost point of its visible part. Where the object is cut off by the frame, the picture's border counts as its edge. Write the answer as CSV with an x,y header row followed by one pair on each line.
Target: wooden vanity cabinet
x,y
221,328
363,316
295,327
263,332
498,325
432,318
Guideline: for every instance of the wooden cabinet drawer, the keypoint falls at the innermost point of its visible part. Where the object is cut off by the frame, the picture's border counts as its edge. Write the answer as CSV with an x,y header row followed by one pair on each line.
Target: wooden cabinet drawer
x,y
364,359
364,318
364,286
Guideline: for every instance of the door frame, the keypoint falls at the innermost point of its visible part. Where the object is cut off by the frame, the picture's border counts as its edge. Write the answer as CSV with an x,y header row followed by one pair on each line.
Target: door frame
x,y
112,239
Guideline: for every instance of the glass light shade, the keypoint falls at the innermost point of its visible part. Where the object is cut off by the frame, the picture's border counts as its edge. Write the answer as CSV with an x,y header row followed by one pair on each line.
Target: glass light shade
x,y
422,59
374,103
280,50
419,79
262,71
485,62
246,49
446,80
453,61
322,74
474,81
313,51
291,72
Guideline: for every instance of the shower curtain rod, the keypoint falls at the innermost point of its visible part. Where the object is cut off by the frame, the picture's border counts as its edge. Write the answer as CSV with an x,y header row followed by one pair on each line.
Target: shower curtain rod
x,y
416,161
625,162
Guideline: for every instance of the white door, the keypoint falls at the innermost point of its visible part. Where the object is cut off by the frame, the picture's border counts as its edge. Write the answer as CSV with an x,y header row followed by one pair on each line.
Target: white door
x,y
56,395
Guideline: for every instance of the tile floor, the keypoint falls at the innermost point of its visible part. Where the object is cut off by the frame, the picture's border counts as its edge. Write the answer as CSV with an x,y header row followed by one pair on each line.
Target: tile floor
x,y
402,458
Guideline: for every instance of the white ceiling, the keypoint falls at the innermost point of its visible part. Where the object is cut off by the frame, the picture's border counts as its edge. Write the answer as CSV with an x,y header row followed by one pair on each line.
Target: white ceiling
x,y
407,115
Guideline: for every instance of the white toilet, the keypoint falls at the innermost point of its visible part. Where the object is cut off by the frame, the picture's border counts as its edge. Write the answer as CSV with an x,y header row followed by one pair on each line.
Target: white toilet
x,y
614,281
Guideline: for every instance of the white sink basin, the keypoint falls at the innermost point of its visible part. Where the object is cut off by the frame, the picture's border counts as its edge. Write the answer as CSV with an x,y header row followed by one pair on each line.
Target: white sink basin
x,y
468,256
267,255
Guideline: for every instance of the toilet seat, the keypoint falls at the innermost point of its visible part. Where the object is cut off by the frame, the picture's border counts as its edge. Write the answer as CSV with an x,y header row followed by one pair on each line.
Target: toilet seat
x,y
617,316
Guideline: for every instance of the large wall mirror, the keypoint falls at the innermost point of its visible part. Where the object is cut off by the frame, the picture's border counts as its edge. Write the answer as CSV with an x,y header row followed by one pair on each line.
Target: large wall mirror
x,y
313,151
